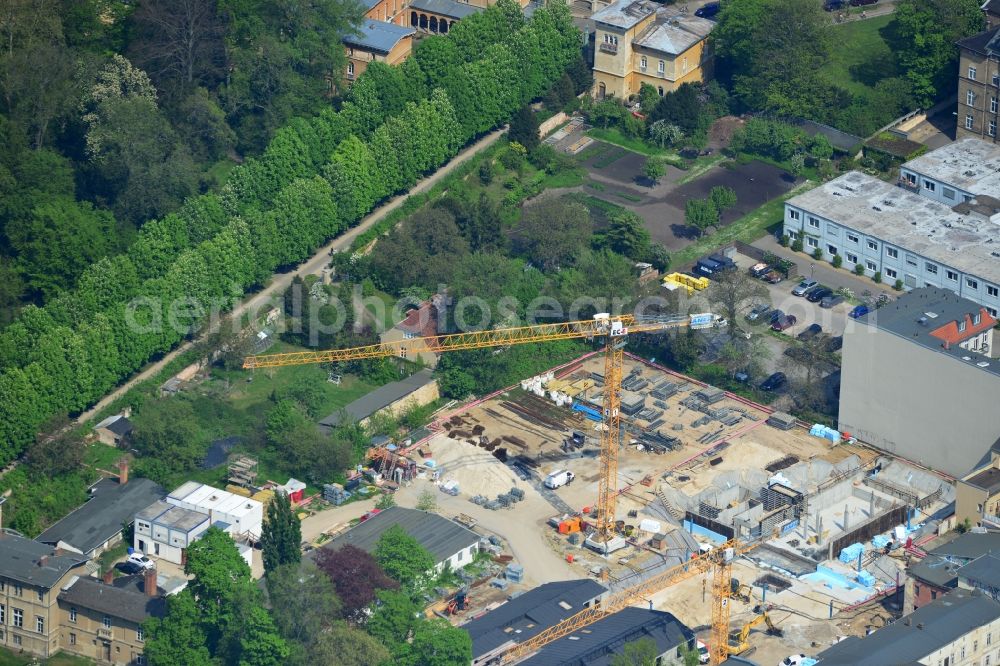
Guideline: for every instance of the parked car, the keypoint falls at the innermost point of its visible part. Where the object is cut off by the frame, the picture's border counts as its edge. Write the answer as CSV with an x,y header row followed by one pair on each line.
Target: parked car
x,y
706,267
802,287
784,323
772,277
834,5
835,343
559,479
758,311
130,568
831,301
774,382
774,316
704,656
759,270
858,311
862,3
708,11
817,294
742,377
810,332
793,660
141,560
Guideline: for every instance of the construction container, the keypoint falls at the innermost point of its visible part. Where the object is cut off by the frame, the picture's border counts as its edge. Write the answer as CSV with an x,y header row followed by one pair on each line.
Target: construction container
x,y
569,557
570,525
514,573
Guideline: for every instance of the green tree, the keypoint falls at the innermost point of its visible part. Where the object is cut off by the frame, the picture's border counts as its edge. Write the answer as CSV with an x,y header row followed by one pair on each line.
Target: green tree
x,y
701,214
797,164
642,652
723,197
682,108
393,620
922,35
664,134
282,534
732,291
345,646
303,605
524,128
178,637
654,169
427,501
553,232
403,558
437,643
627,235
167,438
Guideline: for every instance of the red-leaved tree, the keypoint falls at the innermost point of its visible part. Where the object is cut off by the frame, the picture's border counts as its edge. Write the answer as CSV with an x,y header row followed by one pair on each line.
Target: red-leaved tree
x,y
356,576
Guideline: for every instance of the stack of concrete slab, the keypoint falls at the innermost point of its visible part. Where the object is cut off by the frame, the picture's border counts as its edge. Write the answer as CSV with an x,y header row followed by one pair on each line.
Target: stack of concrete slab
x,y
781,421
710,394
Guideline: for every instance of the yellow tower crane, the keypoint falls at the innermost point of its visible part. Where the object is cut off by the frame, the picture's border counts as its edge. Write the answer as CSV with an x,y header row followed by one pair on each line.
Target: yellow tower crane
x,y
615,330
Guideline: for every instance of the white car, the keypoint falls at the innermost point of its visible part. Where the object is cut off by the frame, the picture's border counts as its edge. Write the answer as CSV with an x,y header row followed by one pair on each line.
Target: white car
x,y
704,656
141,560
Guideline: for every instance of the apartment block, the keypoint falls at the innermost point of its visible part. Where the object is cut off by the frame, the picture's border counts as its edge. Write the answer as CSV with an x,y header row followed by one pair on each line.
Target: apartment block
x,y
979,84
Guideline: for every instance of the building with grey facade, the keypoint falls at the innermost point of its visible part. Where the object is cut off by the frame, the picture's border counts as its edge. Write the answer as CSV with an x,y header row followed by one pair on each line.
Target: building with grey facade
x,y
939,228
918,381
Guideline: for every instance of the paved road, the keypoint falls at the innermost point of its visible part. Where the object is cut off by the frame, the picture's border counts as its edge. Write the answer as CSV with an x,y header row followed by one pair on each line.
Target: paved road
x,y
280,281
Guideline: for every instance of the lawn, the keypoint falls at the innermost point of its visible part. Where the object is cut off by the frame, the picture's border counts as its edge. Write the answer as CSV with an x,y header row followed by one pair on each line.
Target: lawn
x,y
615,137
862,58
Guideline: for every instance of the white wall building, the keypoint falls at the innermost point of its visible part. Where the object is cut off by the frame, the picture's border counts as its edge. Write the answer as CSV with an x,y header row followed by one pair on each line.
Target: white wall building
x,y
242,514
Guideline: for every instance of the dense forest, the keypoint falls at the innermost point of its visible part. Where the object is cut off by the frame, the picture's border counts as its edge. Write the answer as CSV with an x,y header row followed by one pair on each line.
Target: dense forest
x,y
317,175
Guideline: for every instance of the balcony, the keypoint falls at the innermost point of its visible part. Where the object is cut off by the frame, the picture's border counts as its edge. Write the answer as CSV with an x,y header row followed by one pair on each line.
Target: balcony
x,y
105,633
609,48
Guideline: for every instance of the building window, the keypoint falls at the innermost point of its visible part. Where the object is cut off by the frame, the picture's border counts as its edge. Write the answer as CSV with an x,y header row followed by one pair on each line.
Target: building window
x,y
17,640
931,268
793,215
139,636
910,260
853,258
642,63
972,73
992,311
969,121
832,249
812,242
891,273
971,284
872,245
72,615
659,89
3,615
952,275
106,621
18,617
892,252
992,291
72,639
996,79
40,624
929,185
993,104
970,98
350,69
870,265
948,193
989,638
661,67
813,222
17,590
992,130
852,237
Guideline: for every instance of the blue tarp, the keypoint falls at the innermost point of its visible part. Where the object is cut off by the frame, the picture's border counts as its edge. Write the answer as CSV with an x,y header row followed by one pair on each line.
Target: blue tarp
x,y
820,430
589,412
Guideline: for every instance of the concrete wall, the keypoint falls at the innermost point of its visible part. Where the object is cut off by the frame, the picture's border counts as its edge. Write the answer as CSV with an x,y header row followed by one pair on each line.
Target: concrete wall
x,y
460,559
917,403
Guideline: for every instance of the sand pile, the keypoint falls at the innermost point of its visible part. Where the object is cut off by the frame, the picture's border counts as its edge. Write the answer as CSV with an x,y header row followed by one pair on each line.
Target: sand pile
x,y
476,470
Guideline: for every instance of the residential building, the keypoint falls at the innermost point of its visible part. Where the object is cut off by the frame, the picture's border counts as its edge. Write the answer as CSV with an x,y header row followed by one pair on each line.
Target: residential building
x,y
420,322
447,541
31,575
161,532
902,236
977,496
991,8
982,574
395,398
960,629
96,525
960,172
938,573
979,81
376,41
438,16
529,614
104,622
641,41
910,381
113,430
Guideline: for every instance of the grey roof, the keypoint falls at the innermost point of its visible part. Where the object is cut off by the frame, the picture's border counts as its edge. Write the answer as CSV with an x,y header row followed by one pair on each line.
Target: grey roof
x,y
442,537
840,140
118,424
126,603
625,14
597,644
930,628
970,545
916,314
449,8
33,563
937,570
674,33
987,479
910,221
378,36
971,165
369,4
984,43
531,613
101,516
171,516
983,571
380,398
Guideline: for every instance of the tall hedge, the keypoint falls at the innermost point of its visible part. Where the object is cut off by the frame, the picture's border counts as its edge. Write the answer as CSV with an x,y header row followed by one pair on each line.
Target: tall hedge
x,y
317,177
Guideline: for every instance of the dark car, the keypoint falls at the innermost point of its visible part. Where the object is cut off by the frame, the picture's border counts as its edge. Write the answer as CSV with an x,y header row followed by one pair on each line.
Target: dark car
x,y
775,315
858,311
759,311
129,568
835,343
706,266
784,323
834,5
831,301
775,381
810,332
708,11
862,3
817,295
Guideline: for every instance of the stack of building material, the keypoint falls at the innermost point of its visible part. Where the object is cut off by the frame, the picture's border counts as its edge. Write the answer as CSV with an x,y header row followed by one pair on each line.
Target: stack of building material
x,y
664,390
335,494
514,573
710,394
781,421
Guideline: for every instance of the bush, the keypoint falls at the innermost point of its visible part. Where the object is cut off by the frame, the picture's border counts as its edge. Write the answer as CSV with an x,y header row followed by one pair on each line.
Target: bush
x,y
898,286
859,269
486,172
817,253
784,240
797,245
723,197
837,261
877,278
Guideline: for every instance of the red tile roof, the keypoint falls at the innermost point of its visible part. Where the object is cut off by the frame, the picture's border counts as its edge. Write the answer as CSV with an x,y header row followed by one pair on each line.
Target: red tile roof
x,y
949,333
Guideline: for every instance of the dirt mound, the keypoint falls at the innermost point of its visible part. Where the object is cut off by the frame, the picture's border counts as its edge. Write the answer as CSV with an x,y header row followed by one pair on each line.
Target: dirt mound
x,y
476,470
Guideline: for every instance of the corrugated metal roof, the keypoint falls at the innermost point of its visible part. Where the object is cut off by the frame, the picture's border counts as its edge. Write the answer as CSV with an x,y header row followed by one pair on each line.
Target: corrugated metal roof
x,y
929,628
377,36
380,398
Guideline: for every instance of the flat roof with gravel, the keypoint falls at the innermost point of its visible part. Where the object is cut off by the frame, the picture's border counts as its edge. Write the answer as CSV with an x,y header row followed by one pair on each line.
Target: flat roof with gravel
x,y
972,165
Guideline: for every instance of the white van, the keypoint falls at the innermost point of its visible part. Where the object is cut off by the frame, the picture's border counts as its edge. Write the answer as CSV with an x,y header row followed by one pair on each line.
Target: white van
x,y
558,479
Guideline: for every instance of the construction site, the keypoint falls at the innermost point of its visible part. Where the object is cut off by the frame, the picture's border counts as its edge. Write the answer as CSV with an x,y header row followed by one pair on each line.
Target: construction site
x,y
831,521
